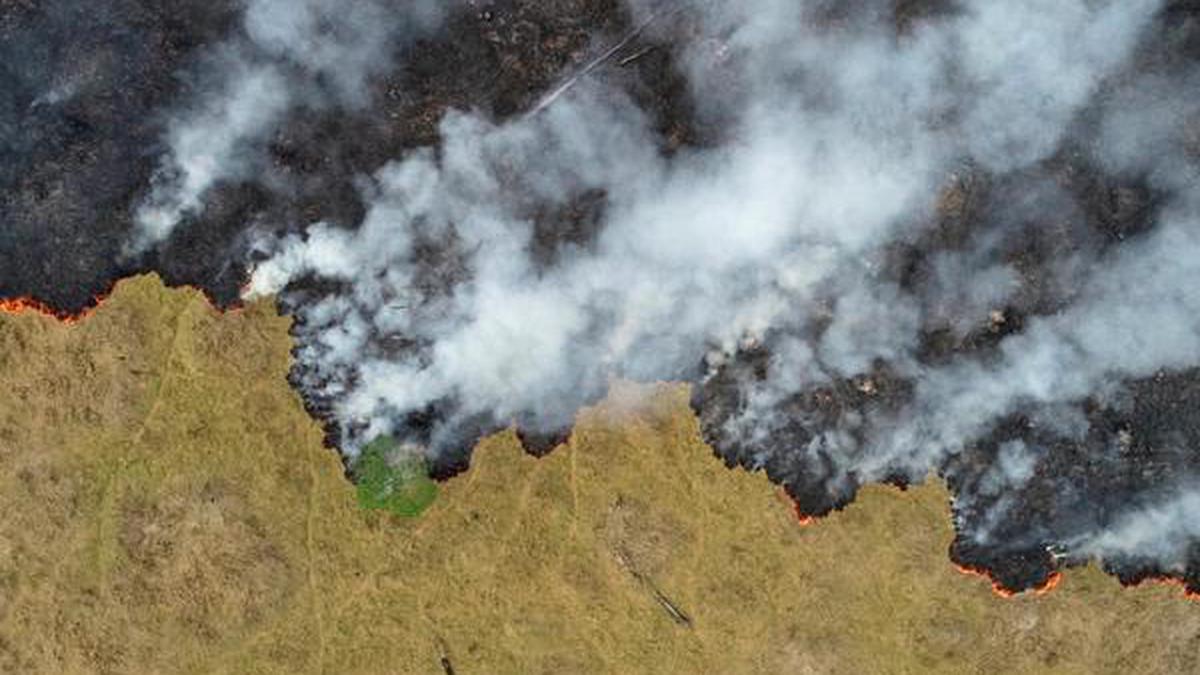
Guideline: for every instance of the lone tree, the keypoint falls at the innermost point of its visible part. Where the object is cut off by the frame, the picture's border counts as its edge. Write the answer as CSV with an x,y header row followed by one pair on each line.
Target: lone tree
x,y
392,479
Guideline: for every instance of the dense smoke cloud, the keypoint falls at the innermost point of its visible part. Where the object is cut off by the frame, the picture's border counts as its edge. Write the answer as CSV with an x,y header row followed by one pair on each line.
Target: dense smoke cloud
x,y
1136,314
766,257
1163,532
837,141
290,52
696,252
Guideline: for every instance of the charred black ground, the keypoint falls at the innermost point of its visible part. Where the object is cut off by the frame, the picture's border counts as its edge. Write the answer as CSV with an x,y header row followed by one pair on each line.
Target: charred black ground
x,y
83,92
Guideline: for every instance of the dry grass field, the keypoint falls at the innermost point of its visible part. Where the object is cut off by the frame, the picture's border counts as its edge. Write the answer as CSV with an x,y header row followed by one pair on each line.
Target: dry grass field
x,y
167,507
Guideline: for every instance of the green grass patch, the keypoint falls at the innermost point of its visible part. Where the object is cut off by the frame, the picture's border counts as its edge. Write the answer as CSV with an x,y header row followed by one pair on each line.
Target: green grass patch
x,y
391,480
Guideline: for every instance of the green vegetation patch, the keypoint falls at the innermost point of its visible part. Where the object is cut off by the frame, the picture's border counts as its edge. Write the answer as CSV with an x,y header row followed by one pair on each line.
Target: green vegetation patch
x,y
393,480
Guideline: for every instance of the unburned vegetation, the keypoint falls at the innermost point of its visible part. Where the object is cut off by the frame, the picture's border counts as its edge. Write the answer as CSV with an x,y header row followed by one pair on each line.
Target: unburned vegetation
x,y
169,507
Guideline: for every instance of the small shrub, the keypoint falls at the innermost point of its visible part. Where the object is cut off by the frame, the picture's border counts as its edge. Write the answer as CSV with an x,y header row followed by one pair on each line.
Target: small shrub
x,y
392,480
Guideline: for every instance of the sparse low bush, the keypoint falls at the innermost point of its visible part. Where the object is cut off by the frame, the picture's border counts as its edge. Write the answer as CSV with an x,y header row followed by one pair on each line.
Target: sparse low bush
x,y
392,480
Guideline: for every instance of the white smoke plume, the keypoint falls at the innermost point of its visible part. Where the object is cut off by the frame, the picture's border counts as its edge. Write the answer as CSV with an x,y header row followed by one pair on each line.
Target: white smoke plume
x,y
837,141
1136,315
1162,531
837,135
289,52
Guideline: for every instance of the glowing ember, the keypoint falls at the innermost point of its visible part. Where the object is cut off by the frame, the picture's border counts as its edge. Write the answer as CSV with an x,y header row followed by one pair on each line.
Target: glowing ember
x,y
1171,581
1050,584
29,305
996,587
803,518
22,305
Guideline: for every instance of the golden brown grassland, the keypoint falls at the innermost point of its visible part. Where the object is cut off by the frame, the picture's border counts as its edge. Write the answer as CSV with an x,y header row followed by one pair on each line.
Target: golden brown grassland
x,y
168,508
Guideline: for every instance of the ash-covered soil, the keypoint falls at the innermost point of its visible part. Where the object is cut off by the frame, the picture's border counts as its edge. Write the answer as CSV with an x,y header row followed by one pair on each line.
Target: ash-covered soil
x,y
87,94
84,87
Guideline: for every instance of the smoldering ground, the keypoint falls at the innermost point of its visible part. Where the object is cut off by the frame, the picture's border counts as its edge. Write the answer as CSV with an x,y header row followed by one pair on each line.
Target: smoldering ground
x,y
881,239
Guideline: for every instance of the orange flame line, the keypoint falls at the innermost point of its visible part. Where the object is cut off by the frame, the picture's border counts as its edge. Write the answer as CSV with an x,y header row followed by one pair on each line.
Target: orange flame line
x,y
1169,581
983,574
29,305
23,305
1050,584
1046,586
